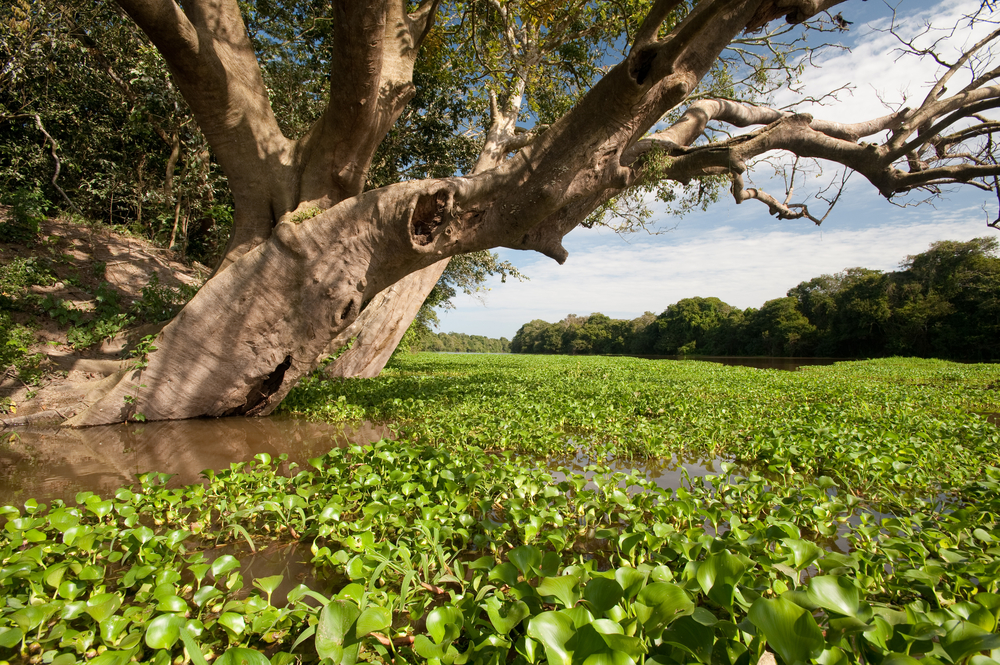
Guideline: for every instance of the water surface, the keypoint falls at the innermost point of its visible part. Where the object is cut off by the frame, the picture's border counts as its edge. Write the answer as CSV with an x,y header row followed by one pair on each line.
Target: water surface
x,y
56,463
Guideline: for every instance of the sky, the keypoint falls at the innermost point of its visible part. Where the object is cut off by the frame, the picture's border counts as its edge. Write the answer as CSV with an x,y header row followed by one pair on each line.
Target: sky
x,y
738,253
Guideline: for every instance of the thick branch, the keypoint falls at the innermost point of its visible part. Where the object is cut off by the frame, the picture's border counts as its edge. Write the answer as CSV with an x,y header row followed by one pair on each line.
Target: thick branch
x,y
971,104
375,48
697,116
216,70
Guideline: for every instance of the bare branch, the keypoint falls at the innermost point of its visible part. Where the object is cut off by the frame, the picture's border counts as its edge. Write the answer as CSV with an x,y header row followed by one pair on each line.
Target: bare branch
x,y
55,158
650,27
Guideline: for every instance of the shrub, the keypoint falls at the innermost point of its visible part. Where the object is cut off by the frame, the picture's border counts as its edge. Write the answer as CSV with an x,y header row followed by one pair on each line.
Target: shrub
x,y
28,208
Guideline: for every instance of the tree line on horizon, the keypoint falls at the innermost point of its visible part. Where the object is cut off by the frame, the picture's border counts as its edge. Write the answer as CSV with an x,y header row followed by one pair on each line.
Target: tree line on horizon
x,y
454,342
942,303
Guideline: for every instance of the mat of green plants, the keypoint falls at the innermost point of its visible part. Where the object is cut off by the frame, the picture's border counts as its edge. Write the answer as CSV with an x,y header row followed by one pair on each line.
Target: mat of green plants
x,y
854,521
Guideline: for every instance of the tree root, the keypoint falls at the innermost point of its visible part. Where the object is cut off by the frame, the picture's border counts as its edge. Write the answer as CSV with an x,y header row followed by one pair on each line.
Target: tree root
x,y
49,416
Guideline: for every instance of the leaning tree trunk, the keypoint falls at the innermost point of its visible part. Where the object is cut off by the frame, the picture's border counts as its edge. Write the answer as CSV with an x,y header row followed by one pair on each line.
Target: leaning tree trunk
x,y
383,324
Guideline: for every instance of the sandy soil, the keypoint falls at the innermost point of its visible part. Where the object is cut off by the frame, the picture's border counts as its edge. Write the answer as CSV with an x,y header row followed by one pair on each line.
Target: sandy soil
x,y
81,258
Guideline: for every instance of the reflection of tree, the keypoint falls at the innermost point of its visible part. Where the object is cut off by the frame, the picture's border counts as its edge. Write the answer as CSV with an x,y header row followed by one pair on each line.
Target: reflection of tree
x,y
49,464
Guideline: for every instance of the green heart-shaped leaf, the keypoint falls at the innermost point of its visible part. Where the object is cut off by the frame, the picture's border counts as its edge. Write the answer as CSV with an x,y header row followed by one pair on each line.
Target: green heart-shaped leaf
x,y
163,631
101,606
553,630
444,623
506,616
790,630
603,593
835,593
565,589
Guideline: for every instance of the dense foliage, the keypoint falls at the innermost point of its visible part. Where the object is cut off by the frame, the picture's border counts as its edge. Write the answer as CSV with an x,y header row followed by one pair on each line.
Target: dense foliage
x,y
943,303
462,343
83,83
854,520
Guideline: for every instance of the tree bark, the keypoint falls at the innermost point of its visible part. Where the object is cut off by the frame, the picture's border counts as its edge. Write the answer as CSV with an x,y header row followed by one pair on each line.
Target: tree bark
x,y
386,319
384,322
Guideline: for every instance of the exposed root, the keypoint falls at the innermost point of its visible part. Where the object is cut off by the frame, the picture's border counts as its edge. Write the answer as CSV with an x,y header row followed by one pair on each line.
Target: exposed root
x,y
48,417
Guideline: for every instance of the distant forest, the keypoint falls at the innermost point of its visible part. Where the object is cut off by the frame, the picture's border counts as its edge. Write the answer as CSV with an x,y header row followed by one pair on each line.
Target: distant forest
x,y
462,343
943,303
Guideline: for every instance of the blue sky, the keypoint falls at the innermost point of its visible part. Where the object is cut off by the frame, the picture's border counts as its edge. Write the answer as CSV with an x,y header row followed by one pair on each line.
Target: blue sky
x,y
738,252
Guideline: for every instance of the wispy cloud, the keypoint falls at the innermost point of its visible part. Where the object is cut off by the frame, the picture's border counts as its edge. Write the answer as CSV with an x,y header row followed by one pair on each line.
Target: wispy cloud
x,y
742,267
882,77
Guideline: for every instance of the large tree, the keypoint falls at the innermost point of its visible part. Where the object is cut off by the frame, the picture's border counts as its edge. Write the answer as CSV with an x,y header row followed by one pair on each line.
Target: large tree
x,y
311,250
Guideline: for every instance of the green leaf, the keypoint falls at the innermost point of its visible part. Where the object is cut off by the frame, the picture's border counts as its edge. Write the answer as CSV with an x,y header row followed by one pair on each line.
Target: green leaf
x,y
804,552
444,623
224,564
101,606
718,576
233,622
506,616
268,584
691,636
107,658
603,593
194,653
11,637
239,656
112,627
789,630
835,593
659,604
172,603
964,638
63,521
373,620
565,588
333,640
205,594
899,659
163,631
527,558
553,630
506,572
630,580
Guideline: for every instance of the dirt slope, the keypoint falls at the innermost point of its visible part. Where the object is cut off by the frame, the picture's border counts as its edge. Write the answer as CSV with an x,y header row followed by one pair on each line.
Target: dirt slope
x,y
82,264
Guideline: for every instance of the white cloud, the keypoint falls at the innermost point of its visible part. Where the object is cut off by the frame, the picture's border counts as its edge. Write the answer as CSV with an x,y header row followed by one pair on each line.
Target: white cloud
x,y
739,265
883,78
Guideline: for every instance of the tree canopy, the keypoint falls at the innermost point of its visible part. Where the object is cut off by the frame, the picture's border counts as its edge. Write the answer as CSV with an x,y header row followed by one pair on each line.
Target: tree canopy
x,y
942,303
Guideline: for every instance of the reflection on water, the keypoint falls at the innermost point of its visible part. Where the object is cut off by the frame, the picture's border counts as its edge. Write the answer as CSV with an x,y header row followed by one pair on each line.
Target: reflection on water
x,y
290,560
57,463
666,472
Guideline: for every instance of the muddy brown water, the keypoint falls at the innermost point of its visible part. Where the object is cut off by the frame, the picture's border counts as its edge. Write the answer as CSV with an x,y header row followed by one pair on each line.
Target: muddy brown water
x,y
666,472
53,463
56,463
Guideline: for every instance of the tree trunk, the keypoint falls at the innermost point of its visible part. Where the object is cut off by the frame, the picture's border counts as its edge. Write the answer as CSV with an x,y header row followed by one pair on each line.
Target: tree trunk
x,y
380,332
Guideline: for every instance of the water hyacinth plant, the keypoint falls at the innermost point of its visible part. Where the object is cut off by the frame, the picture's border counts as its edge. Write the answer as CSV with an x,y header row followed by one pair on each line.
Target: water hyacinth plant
x,y
851,519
